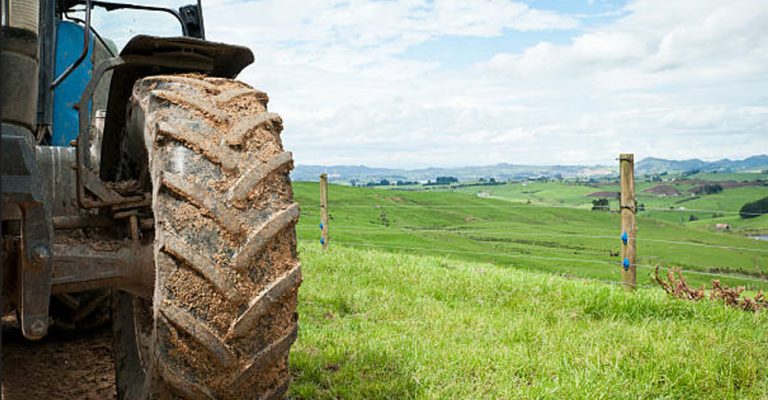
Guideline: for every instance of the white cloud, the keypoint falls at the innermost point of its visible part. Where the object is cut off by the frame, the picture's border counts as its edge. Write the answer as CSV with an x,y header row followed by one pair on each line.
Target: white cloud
x,y
679,78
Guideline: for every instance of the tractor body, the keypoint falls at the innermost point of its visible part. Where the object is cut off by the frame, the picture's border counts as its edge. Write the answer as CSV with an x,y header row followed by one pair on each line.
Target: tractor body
x,y
65,90
151,187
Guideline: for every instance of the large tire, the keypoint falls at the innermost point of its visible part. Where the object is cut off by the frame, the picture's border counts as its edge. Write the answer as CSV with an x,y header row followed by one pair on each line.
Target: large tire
x,y
223,316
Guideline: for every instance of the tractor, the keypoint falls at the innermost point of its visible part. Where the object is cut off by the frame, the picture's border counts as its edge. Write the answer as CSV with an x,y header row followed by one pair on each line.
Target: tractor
x,y
149,187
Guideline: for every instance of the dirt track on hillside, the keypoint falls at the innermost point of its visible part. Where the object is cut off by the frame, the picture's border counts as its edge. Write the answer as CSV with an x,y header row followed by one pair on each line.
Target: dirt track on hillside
x,y
57,367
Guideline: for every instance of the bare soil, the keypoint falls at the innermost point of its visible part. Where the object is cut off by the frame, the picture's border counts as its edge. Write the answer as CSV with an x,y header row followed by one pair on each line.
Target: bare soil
x,y
61,366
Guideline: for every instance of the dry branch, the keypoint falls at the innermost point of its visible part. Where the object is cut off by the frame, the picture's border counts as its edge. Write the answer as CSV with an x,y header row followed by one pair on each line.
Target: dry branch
x,y
676,286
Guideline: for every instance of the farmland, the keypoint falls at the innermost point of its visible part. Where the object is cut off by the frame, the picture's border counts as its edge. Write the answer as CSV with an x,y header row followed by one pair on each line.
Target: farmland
x,y
377,325
442,294
543,236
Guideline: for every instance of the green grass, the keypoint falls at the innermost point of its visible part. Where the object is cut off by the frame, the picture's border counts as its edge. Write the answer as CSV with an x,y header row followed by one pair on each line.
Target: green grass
x,y
562,241
377,325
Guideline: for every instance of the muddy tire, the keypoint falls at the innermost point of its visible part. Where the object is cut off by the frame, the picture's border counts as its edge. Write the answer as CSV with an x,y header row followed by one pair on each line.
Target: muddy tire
x,y
223,314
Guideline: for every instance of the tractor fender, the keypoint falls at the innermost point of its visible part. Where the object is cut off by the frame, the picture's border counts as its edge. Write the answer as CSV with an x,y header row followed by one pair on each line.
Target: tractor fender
x,y
146,56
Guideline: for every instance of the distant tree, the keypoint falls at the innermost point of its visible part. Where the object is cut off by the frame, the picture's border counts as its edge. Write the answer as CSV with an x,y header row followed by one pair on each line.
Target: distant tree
x,y
693,218
709,189
383,182
492,180
445,180
754,209
691,172
482,179
601,204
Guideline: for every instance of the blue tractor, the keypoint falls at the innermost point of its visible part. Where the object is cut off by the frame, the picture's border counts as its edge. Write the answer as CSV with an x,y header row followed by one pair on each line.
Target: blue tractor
x,y
146,186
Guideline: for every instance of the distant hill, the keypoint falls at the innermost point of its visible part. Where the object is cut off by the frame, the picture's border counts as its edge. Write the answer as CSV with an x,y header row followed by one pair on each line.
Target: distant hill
x,y
504,171
501,171
653,165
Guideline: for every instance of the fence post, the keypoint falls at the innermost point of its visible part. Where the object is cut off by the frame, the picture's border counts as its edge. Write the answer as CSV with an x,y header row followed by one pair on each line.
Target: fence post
x,y
324,210
628,224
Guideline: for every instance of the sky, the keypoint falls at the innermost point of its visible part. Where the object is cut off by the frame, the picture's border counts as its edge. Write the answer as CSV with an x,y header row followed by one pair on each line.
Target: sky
x,y
416,83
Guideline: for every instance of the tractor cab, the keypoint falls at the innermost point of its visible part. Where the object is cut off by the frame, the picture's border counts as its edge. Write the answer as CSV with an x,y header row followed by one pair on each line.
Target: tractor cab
x,y
67,63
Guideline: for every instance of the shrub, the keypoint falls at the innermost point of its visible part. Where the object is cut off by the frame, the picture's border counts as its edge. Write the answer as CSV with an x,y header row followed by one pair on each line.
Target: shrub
x,y
754,209
601,204
708,189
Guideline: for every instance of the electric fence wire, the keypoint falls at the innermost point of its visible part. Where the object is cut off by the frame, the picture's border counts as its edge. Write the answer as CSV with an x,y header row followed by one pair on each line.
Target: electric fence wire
x,y
373,245
527,234
535,205
554,235
545,258
645,285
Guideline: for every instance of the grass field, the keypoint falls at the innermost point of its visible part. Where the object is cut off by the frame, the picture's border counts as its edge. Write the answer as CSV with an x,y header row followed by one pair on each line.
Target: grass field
x,y
377,325
552,239
672,209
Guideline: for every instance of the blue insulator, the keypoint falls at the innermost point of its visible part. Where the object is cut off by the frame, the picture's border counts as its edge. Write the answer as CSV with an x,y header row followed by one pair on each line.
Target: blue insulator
x,y
321,225
624,237
626,264
322,240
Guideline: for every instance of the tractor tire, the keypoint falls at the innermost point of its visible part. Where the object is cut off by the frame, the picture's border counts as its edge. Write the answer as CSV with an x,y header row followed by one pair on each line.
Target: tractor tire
x,y
223,314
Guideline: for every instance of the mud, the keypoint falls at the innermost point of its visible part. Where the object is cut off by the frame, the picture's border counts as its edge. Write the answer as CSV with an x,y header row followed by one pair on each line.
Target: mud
x,y
58,367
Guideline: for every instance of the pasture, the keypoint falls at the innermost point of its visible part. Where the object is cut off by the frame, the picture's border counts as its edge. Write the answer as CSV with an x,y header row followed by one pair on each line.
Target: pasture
x,y
378,325
537,237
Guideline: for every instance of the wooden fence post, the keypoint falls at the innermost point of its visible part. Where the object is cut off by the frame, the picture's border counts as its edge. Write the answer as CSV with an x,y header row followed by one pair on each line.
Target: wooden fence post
x,y
628,224
324,210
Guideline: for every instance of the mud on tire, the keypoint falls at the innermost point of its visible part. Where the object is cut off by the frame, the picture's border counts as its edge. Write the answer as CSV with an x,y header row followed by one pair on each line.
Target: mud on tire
x,y
223,317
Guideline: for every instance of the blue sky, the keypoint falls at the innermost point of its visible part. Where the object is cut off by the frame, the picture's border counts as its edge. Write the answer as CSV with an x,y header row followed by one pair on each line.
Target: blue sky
x,y
414,83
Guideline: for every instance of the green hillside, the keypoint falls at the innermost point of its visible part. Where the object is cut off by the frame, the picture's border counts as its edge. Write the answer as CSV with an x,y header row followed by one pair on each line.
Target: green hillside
x,y
376,325
668,208
553,239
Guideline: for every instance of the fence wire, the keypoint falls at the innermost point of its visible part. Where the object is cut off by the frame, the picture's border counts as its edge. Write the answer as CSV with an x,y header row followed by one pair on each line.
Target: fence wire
x,y
461,232
554,235
546,258
515,205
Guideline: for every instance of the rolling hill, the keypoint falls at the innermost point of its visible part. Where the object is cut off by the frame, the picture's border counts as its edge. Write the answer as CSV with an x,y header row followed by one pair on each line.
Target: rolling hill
x,y
504,171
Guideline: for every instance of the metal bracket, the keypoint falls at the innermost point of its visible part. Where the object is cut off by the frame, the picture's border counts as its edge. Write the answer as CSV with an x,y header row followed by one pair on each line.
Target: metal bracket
x,y
80,267
36,269
22,186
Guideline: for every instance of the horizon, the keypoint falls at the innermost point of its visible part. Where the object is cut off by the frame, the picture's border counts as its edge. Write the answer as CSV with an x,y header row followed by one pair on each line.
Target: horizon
x,y
637,160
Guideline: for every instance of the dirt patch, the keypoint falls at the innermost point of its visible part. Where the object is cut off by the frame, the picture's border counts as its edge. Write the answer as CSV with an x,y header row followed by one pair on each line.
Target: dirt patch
x,y
607,195
57,367
663,190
